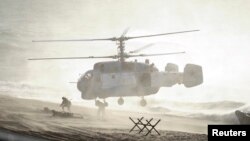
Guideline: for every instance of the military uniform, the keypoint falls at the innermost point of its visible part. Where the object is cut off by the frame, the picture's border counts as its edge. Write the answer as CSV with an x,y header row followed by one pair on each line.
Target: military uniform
x,y
101,108
65,103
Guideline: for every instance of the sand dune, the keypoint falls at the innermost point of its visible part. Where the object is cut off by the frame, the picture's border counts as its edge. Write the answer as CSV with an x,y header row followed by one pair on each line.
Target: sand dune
x,y
25,119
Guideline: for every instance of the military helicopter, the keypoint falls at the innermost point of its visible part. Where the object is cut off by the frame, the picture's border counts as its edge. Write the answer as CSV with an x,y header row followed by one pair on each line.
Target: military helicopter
x,y
122,78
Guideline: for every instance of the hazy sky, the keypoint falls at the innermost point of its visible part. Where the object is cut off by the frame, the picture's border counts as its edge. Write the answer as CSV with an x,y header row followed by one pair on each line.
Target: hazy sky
x,y
221,47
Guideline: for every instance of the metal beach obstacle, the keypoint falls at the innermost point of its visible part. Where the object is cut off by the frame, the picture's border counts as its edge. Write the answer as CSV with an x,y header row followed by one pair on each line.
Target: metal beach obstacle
x,y
143,124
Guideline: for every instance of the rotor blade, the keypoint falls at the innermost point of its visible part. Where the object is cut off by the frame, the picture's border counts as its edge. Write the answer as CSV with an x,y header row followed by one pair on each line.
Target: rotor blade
x,y
125,32
61,58
141,48
160,54
78,40
152,35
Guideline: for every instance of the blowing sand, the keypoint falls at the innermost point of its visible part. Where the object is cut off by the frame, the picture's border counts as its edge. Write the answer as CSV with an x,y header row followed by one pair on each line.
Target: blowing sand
x,y
23,119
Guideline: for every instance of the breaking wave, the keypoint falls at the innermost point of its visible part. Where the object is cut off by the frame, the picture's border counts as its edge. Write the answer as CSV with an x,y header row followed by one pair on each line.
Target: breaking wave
x,y
221,111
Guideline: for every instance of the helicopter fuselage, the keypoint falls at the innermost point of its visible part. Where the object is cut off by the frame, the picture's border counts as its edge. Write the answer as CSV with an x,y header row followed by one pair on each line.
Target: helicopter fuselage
x,y
121,79
116,79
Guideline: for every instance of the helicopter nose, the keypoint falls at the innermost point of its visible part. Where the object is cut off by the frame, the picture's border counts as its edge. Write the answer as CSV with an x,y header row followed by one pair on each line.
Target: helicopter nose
x,y
84,87
81,85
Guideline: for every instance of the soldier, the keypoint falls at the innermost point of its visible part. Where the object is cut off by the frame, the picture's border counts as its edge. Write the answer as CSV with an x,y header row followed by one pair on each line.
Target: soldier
x,y
101,108
65,103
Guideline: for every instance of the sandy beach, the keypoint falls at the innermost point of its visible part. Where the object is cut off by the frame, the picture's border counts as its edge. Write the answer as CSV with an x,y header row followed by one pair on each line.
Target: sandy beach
x,y
25,119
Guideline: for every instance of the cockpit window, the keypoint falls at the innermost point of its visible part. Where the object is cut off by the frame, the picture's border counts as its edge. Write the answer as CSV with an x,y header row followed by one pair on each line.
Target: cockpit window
x,y
88,75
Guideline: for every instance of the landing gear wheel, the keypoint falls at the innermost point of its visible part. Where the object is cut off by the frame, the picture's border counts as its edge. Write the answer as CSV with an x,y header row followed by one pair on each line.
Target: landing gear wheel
x,y
120,101
143,102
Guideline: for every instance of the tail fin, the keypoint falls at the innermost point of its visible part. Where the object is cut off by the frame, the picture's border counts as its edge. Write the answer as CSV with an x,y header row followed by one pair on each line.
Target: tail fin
x,y
193,75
